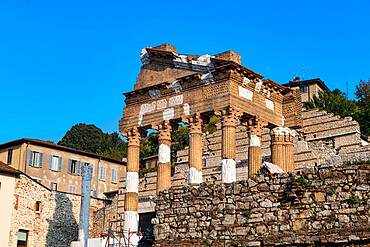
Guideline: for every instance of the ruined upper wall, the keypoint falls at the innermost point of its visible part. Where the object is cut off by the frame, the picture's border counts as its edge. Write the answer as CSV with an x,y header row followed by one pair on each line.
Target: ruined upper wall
x,y
163,64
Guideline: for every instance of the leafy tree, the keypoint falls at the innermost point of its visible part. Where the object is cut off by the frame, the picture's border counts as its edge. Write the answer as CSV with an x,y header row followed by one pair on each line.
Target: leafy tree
x,y
362,116
90,138
180,139
84,137
211,126
332,102
363,94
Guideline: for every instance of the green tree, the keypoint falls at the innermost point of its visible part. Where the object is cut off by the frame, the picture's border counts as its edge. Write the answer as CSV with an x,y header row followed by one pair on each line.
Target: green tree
x,y
211,127
84,137
362,116
332,102
90,138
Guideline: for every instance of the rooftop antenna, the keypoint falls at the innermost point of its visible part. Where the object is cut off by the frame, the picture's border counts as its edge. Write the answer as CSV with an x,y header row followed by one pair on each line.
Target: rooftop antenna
x,y
303,71
347,90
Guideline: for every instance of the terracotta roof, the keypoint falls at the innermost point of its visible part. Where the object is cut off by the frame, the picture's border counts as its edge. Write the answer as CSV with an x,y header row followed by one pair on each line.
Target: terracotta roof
x,y
58,147
318,81
7,168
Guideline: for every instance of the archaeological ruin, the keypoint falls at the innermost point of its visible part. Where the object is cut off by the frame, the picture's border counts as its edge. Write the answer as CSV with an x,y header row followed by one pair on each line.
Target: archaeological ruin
x,y
261,123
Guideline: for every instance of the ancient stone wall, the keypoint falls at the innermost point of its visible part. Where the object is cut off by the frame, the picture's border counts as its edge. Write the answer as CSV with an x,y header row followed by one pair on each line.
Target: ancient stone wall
x,y
56,222
323,205
105,218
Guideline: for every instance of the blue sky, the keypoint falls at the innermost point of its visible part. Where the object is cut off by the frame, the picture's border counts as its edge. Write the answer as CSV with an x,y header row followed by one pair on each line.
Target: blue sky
x,y
68,62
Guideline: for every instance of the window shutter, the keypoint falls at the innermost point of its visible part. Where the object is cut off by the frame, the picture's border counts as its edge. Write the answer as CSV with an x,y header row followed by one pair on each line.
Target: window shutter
x,y
79,168
60,164
69,166
41,156
31,158
92,166
51,162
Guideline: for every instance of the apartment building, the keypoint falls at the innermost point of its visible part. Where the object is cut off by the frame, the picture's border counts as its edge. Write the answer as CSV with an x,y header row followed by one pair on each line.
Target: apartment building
x,y
308,88
59,168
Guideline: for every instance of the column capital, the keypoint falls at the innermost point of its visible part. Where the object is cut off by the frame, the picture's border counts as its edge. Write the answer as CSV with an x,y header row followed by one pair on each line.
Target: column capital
x,y
228,116
255,125
283,131
164,130
133,136
195,123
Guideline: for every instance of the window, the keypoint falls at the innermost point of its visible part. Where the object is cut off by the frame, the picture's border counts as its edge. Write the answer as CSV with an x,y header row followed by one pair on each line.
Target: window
x,y
74,167
72,189
38,207
53,186
114,176
102,173
35,159
55,163
22,238
304,89
95,194
10,155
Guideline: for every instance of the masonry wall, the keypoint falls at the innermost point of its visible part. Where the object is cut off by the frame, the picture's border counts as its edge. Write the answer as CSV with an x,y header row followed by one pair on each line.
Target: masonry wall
x,y
106,218
322,205
56,224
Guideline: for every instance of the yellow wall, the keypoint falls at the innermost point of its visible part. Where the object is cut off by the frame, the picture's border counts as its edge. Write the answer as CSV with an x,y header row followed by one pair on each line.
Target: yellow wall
x,y
6,206
16,157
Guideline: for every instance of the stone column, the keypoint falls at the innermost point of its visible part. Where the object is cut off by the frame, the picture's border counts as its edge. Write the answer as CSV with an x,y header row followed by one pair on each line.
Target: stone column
x,y
164,156
228,149
255,126
131,217
195,149
282,148
86,175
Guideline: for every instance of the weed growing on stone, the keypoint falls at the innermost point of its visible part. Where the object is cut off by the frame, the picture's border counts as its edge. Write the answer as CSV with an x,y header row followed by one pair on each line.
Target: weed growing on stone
x,y
206,241
314,217
332,192
353,200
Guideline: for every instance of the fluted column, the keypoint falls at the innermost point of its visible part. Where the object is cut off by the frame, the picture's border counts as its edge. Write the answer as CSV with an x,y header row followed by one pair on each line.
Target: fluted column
x,y
228,149
282,148
131,217
195,149
255,126
164,156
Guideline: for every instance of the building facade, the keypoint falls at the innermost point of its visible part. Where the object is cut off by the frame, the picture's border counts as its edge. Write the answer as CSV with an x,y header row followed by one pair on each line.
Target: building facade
x,y
59,168
308,88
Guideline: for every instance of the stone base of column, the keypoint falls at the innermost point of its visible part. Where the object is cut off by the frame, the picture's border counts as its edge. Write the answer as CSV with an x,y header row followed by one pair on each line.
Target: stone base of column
x,y
254,160
131,221
228,171
163,176
195,176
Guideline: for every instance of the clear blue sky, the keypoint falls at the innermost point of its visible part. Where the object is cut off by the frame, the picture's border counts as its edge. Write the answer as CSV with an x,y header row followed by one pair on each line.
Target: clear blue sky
x,y
68,62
